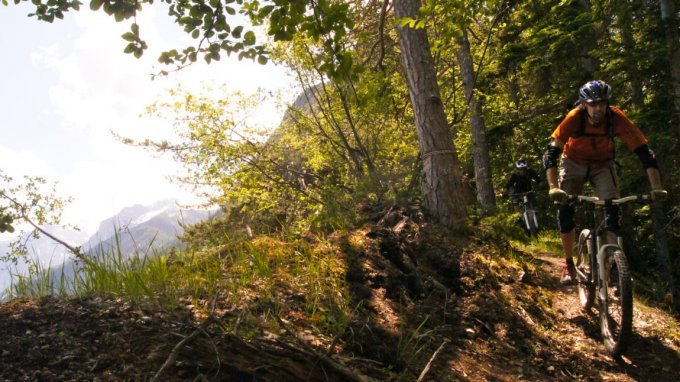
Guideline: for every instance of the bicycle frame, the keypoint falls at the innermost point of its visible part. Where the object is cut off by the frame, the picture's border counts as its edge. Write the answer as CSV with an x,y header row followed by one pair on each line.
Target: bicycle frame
x,y
614,302
600,277
529,217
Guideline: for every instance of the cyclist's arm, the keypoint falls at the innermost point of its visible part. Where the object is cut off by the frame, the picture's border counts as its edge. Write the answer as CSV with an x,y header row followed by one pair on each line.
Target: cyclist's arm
x,y
648,159
550,159
510,183
654,178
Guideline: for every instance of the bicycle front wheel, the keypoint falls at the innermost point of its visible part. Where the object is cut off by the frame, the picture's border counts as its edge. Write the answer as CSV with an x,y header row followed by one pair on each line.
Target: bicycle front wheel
x,y
616,310
584,276
530,221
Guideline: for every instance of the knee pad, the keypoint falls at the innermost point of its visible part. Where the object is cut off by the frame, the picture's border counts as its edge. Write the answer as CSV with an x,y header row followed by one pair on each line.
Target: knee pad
x,y
565,218
612,220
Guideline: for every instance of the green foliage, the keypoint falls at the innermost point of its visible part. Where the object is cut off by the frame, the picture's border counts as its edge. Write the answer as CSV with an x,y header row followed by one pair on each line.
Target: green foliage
x,y
211,23
107,272
27,206
500,227
6,222
350,138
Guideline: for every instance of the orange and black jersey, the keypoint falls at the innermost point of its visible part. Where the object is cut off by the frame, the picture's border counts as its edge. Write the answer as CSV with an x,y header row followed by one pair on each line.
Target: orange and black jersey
x,y
586,144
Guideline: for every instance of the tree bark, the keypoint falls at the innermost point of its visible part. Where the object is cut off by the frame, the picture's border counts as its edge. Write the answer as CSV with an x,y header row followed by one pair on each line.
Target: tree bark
x,y
662,252
480,153
669,21
634,77
443,190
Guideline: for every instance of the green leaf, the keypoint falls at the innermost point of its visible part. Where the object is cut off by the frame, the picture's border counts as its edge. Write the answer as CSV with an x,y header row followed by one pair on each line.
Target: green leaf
x,y
96,4
186,20
249,38
266,10
237,31
230,10
404,21
129,36
262,60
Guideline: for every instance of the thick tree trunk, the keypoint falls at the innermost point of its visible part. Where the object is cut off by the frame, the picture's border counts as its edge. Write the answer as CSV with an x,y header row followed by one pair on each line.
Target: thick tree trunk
x,y
670,24
587,43
634,76
670,21
443,190
662,253
480,153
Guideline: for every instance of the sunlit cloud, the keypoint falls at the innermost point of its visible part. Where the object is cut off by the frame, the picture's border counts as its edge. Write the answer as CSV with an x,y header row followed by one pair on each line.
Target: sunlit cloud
x,y
98,89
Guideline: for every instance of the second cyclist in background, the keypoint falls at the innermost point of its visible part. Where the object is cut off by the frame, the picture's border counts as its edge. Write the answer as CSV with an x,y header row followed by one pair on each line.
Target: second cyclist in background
x,y
520,181
519,184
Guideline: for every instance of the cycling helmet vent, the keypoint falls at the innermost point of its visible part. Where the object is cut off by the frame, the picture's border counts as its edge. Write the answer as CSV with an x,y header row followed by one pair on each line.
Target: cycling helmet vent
x,y
521,164
594,91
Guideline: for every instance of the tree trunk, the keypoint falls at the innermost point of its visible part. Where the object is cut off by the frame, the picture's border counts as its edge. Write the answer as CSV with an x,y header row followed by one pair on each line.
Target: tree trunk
x,y
480,153
632,70
669,21
588,42
443,190
662,253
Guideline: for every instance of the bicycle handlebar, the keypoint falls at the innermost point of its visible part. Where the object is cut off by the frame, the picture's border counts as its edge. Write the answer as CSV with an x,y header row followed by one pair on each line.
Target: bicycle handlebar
x,y
600,202
522,193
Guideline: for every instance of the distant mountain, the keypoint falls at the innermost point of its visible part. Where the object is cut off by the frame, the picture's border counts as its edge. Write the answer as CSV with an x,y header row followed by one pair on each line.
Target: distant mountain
x,y
43,250
140,230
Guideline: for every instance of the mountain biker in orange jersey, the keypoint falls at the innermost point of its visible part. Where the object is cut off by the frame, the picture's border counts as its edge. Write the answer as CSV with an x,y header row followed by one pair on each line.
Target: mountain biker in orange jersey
x,y
585,140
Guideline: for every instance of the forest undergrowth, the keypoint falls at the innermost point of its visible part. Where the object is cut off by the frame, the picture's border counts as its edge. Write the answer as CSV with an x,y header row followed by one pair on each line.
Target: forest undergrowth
x,y
398,299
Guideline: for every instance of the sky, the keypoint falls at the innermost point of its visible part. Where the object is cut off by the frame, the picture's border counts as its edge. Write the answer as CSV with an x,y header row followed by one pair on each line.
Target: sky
x,y
65,86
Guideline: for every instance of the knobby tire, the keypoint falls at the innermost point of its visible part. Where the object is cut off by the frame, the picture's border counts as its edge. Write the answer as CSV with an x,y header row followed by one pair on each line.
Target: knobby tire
x,y
616,312
584,277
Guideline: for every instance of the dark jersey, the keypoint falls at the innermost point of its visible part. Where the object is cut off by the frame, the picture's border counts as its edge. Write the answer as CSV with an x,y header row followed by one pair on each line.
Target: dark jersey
x,y
522,183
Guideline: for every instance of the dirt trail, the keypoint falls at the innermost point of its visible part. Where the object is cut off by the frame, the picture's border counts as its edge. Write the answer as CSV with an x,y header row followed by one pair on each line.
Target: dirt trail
x,y
483,318
653,354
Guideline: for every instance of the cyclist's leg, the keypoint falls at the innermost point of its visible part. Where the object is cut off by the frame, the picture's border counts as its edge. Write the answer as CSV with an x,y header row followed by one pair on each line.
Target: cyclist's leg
x,y
572,176
605,182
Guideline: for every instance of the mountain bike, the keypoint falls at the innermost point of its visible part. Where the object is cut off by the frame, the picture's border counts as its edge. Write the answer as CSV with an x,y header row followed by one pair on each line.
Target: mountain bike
x,y
529,218
603,268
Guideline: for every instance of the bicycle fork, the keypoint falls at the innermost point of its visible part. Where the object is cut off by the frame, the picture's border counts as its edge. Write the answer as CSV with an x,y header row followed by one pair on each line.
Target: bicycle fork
x,y
602,271
530,215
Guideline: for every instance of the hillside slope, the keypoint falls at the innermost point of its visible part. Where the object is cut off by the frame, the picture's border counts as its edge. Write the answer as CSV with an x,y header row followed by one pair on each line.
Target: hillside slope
x,y
426,306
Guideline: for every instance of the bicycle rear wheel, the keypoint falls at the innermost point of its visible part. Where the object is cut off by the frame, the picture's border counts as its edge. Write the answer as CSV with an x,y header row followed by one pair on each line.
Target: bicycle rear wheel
x,y
616,310
584,254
